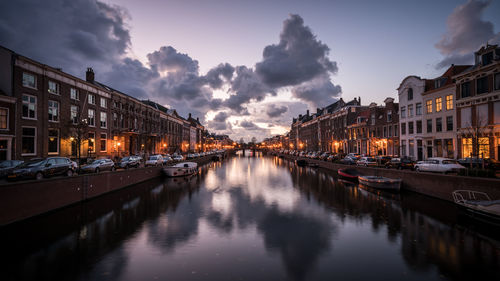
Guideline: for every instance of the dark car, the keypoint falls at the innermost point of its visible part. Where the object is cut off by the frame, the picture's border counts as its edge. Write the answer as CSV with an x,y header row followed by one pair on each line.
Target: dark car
x,y
348,160
479,163
129,162
40,168
382,160
8,165
98,165
400,163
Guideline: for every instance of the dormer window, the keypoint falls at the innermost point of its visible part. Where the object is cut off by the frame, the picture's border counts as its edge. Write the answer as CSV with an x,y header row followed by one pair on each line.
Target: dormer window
x,y
410,94
487,58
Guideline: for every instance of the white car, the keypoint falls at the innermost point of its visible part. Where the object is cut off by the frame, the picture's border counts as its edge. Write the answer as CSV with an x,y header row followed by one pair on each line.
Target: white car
x,y
439,165
177,158
366,161
154,160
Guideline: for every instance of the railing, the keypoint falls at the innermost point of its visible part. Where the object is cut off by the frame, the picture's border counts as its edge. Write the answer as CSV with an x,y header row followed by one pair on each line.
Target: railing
x,y
462,196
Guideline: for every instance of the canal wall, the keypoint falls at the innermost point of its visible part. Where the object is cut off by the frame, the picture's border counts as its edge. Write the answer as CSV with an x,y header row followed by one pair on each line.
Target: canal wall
x,y
430,184
22,200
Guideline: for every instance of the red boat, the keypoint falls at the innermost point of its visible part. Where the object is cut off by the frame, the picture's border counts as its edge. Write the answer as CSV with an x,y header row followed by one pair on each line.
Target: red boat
x,y
349,174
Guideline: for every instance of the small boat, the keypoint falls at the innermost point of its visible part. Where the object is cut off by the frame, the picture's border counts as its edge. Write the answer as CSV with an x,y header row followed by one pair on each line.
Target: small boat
x,y
349,174
181,169
380,182
301,163
479,203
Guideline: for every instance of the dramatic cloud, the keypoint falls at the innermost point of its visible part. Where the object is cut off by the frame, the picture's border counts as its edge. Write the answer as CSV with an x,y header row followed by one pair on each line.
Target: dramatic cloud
x,y
274,111
136,75
297,58
66,34
213,76
168,59
221,117
249,125
466,33
318,92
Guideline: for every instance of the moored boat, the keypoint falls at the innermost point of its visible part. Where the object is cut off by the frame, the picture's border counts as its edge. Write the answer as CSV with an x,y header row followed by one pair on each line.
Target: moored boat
x,y
349,174
380,182
479,203
181,169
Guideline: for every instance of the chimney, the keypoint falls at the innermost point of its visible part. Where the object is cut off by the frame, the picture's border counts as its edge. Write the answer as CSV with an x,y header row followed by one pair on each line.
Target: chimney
x,y
359,100
89,75
317,109
307,112
198,119
189,116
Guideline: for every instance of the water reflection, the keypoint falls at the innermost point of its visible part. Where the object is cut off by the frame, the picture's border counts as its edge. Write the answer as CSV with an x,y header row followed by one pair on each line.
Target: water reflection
x,y
254,218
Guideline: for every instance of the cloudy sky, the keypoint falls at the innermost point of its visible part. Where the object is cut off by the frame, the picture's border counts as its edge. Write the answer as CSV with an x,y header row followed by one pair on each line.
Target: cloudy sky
x,y
246,68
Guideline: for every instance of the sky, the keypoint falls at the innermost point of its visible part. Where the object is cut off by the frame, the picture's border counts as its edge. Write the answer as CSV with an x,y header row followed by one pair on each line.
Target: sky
x,y
246,68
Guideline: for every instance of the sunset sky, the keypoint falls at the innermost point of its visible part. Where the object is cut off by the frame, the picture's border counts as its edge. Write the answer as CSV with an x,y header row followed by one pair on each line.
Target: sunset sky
x,y
246,68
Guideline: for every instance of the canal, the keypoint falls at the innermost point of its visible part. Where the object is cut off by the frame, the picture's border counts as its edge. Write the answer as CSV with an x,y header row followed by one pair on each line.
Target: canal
x,y
252,218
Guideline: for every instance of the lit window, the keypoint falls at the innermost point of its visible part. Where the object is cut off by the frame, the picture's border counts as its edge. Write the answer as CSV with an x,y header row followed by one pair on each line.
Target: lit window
x,y
29,80
29,107
439,104
428,106
53,111
4,118
53,88
91,142
103,142
449,102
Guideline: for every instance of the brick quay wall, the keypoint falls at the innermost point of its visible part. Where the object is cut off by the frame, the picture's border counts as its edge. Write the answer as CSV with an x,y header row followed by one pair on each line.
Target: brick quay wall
x,y
22,200
430,184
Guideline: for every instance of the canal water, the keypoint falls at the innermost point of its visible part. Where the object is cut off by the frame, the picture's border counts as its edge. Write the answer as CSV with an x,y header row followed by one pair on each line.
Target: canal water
x,y
252,218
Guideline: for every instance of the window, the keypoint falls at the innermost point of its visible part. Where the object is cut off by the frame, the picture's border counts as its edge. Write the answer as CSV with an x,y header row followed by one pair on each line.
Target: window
x,y
429,125
410,110
104,118
74,94
497,81
91,117
4,118
373,119
439,124
418,109
449,102
91,142
53,88
403,148
115,120
411,147
28,141
482,85
410,128
53,111
29,107
428,106
465,89
482,115
496,112
91,99
487,58
396,130
449,123
74,114
385,132
29,80
53,141
410,94
439,104
104,103
465,117
103,142
403,112
390,131
389,115
419,126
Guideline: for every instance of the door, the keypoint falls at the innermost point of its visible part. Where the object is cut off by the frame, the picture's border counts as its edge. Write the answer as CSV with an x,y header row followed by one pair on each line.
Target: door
x,y
51,168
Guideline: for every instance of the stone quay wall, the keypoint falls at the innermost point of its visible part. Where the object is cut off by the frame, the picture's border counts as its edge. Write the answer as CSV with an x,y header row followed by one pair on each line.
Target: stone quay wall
x,y
430,184
22,200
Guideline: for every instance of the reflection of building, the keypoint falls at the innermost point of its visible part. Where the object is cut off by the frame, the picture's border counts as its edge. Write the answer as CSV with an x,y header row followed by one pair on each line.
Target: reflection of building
x,y
439,121
45,111
478,105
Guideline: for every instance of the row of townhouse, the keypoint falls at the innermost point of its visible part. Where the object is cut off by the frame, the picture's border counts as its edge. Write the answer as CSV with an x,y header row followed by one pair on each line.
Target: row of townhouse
x,y
454,115
45,111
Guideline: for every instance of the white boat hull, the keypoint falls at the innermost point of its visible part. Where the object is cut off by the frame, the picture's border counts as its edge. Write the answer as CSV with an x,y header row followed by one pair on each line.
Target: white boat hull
x,y
380,182
181,170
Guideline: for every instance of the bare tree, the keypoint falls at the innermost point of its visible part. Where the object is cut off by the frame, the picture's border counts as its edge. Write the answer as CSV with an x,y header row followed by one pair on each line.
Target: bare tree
x,y
77,131
477,134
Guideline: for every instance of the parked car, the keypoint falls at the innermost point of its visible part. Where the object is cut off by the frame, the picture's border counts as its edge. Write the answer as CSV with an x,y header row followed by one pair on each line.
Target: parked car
x,y
177,158
129,162
98,165
154,160
439,165
471,162
166,159
8,165
348,160
381,160
40,168
366,161
400,163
